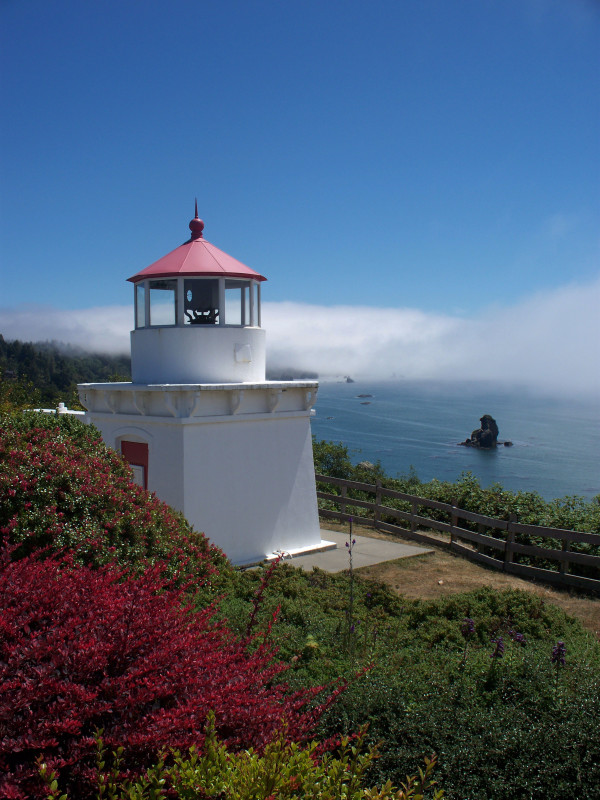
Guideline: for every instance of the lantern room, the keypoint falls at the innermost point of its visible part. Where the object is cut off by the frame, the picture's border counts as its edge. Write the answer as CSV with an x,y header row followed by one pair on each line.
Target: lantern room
x,y
197,301
197,317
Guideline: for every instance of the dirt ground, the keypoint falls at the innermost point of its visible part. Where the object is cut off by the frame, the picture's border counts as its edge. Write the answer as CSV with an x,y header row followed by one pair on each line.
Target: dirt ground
x,y
441,573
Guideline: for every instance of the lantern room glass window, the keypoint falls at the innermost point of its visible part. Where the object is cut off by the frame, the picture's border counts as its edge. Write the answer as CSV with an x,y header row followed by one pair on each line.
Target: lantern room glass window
x,y
201,301
255,289
163,302
140,306
197,301
237,302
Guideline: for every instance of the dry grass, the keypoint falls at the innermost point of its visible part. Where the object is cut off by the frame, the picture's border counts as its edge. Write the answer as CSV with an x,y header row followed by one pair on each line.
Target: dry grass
x,y
442,573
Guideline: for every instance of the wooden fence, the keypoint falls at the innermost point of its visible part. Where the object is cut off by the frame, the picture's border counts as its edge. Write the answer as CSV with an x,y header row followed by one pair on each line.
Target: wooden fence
x,y
500,549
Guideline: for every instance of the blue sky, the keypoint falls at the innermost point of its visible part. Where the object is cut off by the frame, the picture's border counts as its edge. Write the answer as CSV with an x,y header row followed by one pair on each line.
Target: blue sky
x,y
439,156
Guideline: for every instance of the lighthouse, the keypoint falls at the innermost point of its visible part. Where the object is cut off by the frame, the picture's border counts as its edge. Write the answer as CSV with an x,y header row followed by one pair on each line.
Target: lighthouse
x,y
199,423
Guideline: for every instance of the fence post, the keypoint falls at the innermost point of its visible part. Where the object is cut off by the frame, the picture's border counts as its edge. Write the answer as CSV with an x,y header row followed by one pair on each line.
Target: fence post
x,y
453,522
343,500
510,538
480,531
376,513
413,514
565,566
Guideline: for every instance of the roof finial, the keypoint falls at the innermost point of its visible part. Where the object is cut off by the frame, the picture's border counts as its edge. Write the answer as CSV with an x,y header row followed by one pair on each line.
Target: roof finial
x,y
196,225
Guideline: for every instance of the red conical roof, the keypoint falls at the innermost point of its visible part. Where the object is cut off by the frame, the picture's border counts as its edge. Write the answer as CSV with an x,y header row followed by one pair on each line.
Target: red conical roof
x,y
199,258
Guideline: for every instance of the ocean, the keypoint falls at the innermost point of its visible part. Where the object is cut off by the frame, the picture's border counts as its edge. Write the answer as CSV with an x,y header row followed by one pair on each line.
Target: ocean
x,y
556,441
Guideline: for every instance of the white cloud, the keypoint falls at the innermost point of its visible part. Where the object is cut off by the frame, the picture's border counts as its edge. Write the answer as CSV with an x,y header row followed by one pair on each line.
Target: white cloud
x,y
103,330
549,341
373,342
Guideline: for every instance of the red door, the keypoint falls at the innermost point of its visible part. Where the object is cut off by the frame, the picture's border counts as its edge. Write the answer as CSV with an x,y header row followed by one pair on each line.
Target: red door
x,y
136,453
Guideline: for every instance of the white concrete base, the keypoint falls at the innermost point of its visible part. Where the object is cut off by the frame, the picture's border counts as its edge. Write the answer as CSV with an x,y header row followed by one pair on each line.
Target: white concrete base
x,y
321,547
235,459
366,552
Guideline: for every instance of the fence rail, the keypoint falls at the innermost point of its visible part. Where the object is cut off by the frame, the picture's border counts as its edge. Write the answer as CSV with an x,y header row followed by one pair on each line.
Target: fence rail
x,y
499,549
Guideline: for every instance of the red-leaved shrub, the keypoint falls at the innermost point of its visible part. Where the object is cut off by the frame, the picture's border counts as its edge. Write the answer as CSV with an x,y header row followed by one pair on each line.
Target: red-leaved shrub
x,y
61,487
83,649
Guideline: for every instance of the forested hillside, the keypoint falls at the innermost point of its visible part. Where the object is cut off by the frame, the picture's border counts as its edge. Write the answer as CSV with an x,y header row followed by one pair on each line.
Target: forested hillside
x,y
47,373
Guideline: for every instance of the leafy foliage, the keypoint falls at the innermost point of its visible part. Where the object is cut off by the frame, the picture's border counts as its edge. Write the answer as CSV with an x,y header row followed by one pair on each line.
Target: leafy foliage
x,y
284,770
61,487
570,512
16,393
83,649
500,727
84,646
56,369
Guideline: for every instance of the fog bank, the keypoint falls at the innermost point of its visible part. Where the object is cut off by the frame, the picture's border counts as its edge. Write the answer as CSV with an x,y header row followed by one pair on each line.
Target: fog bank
x,y
549,341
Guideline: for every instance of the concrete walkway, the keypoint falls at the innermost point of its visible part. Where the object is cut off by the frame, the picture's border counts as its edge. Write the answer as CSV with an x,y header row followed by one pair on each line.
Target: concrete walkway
x,y
365,553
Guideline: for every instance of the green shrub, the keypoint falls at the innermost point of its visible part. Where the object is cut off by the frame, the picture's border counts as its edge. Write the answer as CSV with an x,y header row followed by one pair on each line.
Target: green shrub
x,y
570,512
62,488
498,726
284,771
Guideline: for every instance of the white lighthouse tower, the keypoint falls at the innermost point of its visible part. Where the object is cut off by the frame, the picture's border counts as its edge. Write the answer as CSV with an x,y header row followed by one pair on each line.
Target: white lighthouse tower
x,y
199,423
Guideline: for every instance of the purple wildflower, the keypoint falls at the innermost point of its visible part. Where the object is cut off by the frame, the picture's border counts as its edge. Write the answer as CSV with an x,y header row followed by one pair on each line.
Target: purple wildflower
x,y
518,638
498,649
467,628
559,652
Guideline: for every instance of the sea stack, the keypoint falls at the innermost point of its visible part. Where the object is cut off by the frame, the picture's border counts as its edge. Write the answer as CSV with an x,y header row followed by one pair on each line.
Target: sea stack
x,y
485,437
